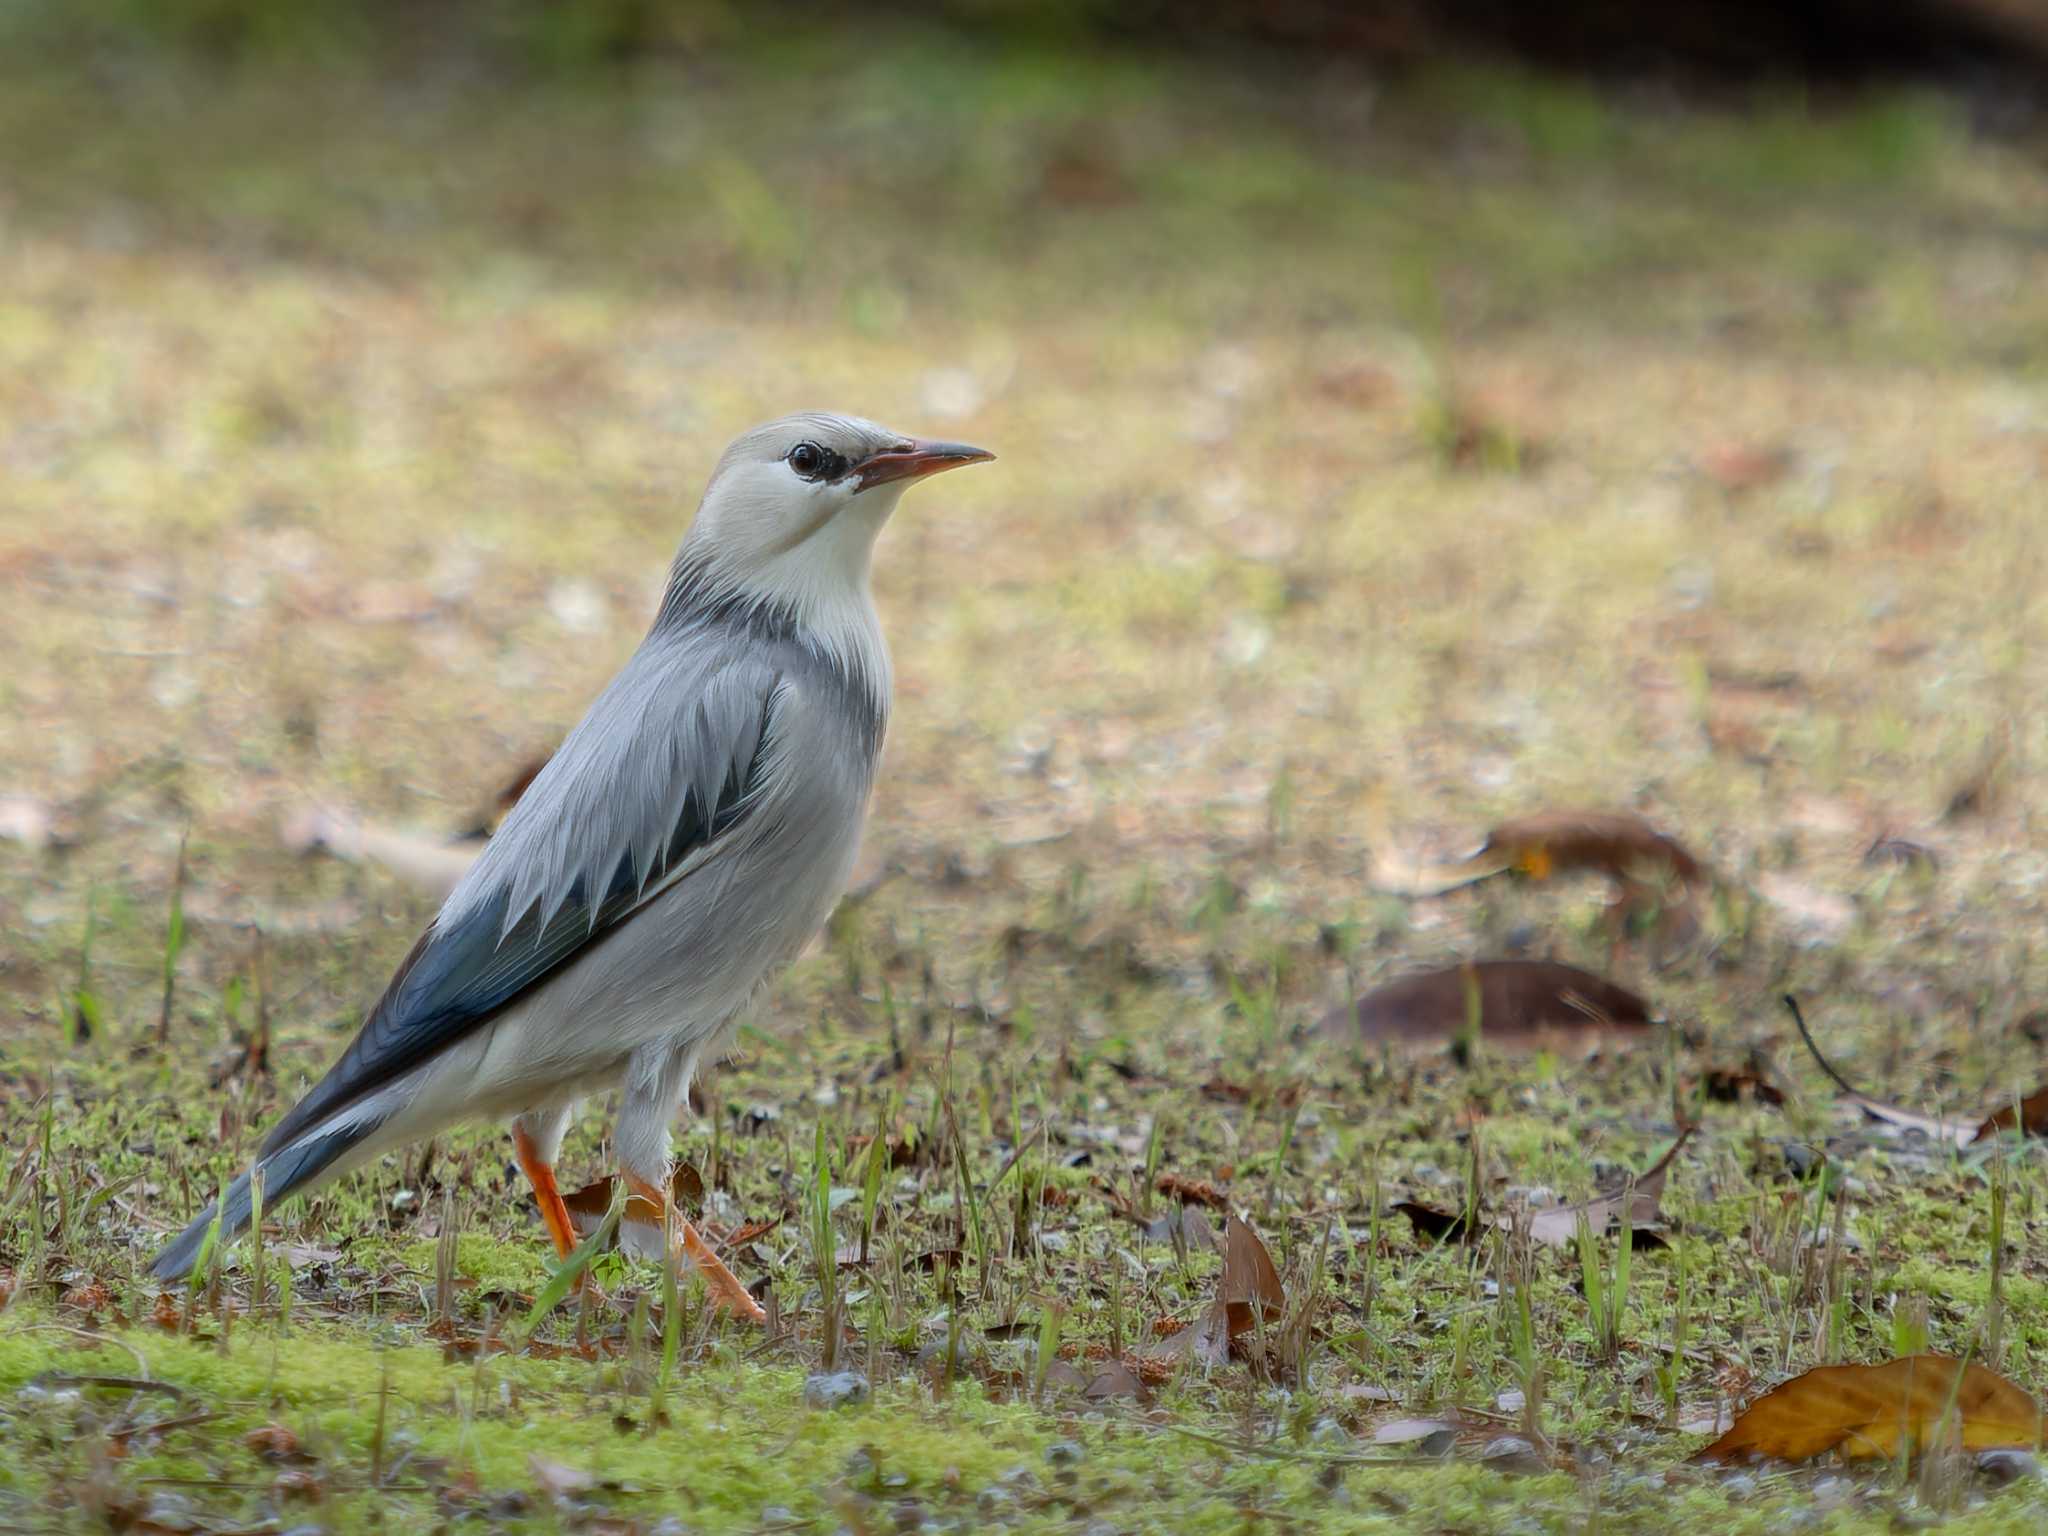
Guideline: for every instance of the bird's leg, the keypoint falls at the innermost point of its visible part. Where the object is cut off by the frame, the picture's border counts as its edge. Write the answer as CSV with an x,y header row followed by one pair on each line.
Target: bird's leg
x,y
547,1194
686,1242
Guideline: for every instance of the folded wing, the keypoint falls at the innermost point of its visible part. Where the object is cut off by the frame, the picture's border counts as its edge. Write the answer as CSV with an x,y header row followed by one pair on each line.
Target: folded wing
x,y
668,763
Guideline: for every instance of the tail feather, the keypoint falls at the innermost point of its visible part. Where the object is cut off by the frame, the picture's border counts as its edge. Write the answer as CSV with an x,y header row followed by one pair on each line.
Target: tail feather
x,y
285,1170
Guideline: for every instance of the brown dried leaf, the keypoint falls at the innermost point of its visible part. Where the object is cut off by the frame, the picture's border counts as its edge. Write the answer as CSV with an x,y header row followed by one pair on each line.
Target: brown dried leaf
x,y
1249,1278
1192,1191
1867,1411
1737,467
1616,843
1638,1205
1522,1005
274,1442
1558,1227
1433,1223
2029,1117
1115,1380
589,1205
1954,1132
1735,1085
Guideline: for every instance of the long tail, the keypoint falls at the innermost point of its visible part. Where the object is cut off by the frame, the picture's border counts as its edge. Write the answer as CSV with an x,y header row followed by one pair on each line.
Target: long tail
x,y
285,1170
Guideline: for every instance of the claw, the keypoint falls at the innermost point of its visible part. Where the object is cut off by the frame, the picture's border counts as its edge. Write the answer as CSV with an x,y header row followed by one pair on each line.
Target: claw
x,y
687,1246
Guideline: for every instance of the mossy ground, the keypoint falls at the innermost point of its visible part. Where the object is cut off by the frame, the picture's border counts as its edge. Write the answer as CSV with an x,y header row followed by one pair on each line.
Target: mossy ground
x,y
1378,459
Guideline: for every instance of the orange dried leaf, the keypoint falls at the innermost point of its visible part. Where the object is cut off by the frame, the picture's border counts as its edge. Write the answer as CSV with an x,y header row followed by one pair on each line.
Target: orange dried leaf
x,y
1192,1191
589,1205
273,1442
1616,843
1876,1410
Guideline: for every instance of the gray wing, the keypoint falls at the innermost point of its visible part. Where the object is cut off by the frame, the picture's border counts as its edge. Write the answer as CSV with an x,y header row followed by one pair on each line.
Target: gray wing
x,y
668,762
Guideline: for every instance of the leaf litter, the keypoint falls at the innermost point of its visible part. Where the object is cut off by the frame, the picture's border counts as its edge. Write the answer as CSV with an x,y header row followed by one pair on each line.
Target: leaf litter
x,y
1513,1005
1638,1204
2028,1115
1868,1411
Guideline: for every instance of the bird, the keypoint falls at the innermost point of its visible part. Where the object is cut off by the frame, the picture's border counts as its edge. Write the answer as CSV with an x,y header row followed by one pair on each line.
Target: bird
x,y
684,843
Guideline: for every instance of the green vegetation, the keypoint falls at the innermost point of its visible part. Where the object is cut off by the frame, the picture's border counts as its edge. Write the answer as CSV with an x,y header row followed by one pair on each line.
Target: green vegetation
x,y
1377,461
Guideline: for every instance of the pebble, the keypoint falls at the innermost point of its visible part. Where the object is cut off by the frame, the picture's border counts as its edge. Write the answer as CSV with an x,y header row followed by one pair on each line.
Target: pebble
x,y
1064,1453
1511,1453
836,1389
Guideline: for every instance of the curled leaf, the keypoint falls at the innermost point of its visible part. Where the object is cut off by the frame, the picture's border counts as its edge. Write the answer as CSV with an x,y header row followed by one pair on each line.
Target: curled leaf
x,y
1867,1411
1619,844
1638,1206
1955,1132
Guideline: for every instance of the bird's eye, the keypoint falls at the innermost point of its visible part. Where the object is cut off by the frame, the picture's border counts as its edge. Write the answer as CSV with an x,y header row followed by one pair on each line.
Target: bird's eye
x,y
809,460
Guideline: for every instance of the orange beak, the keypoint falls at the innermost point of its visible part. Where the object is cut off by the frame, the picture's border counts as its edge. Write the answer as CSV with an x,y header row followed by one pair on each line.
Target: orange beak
x,y
914,460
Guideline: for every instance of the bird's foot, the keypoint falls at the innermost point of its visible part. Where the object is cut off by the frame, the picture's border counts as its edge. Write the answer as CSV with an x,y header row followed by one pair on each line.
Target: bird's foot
x,y
687,1247
724,1285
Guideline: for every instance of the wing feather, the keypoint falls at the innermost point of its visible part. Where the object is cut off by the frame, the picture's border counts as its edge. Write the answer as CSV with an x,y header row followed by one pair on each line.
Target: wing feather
x,y
669,761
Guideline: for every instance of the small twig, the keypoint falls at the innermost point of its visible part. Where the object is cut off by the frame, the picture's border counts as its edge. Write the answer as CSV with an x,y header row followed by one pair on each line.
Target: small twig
x,y
87,1334
111,1383
1825,1065
161,1426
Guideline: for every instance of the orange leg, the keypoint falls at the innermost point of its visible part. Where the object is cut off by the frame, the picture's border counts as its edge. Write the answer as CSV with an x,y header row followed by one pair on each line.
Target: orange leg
x,y
684,1240
546,1193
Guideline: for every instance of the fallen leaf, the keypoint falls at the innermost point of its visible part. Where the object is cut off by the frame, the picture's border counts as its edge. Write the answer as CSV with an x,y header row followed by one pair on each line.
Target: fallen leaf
x,y
1736,1085
1868,1411
1558,1226
1520,1004
1615,843
1249,1278
1954,1132
2029,1117
639,1234
89,1295
1248,1291
301,1483
1738,467
422,862
274,1442
1433,1223
1637,1205
1192,1191
1114,1380
589,1206
747,1231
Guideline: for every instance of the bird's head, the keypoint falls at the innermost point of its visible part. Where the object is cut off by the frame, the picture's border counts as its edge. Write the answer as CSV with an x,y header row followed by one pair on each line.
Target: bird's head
x,y
792,511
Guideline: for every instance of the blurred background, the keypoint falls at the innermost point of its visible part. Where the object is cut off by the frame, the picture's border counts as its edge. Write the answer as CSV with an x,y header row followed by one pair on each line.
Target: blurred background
x,y
1409,416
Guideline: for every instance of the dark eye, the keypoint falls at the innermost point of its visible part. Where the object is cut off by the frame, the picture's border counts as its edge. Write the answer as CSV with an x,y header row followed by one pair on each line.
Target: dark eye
x,y
809,460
